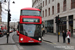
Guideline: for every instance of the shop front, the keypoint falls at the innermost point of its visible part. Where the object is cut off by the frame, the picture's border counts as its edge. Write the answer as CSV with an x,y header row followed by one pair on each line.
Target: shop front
x,y
62,25
49,26
71,24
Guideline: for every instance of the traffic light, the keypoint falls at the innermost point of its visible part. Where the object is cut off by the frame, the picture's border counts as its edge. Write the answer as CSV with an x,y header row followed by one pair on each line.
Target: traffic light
x,y
4,0
9,17
57,19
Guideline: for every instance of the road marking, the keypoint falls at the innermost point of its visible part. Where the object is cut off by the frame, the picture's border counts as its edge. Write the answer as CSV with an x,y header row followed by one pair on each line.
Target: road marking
x,y
49,43
54,43
17,41
20,47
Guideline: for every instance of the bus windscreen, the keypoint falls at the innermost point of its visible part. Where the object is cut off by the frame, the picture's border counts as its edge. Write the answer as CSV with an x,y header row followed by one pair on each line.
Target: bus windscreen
x,y
30,30
30,20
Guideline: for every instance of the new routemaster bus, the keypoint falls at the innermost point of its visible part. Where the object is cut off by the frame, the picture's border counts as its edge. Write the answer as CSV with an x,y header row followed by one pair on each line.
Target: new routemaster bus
x,y
29,27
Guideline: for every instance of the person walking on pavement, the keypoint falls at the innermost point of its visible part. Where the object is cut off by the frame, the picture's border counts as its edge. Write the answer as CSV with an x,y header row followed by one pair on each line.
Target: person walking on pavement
x,y
68,36
43,31
64,36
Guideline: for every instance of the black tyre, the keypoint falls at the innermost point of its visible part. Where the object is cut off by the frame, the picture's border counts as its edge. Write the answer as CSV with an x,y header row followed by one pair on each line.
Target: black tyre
x,y
20,43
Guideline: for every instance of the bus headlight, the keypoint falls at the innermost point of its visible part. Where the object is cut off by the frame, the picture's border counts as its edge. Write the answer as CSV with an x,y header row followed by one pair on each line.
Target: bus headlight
x,y
39,38
21,39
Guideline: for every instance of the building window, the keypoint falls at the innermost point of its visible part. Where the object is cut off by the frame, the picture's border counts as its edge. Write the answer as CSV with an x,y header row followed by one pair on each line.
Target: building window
x,y
43,3
46,12
46,2
36,0
43,13
52,10
49,1
64,5
72,4
52,0
58,8
49,11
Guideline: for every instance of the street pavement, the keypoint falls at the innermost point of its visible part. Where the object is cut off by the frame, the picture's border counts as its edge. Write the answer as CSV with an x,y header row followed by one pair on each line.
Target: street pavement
x,y
35,46
54,39
11,44
49,43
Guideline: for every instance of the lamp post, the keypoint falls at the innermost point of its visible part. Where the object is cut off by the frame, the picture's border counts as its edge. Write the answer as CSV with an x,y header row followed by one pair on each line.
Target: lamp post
x,y
9,19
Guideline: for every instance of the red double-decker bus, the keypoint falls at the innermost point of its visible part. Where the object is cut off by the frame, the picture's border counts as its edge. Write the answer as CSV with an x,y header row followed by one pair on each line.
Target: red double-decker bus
x,y
29,27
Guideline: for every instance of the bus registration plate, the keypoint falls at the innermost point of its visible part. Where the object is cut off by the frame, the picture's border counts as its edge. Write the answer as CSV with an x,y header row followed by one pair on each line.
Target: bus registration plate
x,y
30,41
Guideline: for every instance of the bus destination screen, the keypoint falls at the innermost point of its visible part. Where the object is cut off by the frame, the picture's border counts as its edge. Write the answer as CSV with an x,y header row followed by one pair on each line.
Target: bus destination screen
x,y
30,20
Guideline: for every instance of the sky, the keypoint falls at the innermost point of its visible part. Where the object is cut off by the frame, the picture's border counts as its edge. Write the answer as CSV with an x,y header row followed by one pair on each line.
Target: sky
x,y
15,9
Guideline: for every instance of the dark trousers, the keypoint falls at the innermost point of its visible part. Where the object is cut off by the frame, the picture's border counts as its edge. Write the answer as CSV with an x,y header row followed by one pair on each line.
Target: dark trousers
x,y
68,40
43,33
64,40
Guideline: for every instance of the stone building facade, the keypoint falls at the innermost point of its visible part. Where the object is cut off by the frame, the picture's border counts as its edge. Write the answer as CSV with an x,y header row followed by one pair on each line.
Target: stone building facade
x,y
52,8
0,13
37,4
12,24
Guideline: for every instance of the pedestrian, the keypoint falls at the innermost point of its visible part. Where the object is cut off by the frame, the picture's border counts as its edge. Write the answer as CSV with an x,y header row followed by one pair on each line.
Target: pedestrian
x,y
64,36
68,36
43,31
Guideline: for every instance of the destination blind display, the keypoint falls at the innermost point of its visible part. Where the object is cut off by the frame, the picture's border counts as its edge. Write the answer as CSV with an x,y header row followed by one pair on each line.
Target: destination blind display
x,y
30,20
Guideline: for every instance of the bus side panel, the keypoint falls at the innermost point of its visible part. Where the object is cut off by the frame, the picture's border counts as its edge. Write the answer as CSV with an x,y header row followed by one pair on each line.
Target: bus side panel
x,y
22,38
25,39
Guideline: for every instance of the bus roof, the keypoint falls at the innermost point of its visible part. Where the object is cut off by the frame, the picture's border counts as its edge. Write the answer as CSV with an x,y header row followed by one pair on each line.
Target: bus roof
x,y
31,9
